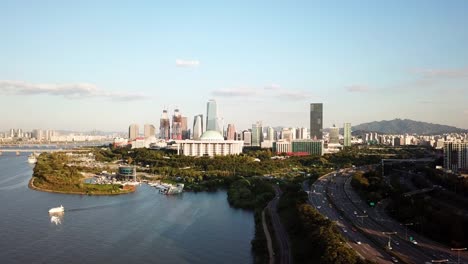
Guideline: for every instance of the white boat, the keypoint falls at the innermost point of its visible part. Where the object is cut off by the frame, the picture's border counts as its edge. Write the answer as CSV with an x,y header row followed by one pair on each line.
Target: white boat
x,y
57,209
32,159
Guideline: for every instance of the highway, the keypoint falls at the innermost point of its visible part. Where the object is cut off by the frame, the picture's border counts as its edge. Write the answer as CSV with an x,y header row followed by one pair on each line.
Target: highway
x,y
361,244
425,249
370,225
281,235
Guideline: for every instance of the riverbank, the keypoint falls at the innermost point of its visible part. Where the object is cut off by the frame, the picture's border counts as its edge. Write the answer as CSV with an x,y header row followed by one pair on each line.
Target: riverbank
x,y
55,172
127,189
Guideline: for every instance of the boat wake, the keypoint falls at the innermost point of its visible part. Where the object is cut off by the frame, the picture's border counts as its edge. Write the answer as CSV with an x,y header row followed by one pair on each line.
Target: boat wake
x,y
100,206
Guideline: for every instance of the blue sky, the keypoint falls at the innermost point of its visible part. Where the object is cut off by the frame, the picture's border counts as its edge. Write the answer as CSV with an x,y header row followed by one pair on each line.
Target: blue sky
x,y
83,65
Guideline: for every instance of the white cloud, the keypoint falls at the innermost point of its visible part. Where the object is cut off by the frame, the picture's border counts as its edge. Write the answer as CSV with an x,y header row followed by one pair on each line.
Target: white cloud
x,y
357,88
292,95
71,91
233,92
269,91
187,63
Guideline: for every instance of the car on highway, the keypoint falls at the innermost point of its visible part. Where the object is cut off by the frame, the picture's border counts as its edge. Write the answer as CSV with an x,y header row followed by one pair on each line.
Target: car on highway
x,y
358,242
394,260
414,242
396,242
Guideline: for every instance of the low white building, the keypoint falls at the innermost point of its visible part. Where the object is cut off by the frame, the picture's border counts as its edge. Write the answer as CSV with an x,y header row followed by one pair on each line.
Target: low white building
x,y
211,143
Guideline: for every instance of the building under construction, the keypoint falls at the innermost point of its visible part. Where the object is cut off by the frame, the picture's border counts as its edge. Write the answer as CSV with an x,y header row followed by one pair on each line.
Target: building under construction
x,y
177,125
164,126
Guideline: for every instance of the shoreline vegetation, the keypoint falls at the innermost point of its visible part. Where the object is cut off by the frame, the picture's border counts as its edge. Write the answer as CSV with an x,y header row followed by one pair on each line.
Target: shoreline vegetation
x,y
53,173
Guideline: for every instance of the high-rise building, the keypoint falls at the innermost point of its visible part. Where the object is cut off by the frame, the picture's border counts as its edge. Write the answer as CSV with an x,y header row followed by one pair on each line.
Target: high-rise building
x,y
212,122
347,134
456,156
177,125
334,135
185,129
287,135
270,134
197,127
133,131
247,135
257,134
316,120
37,134
150,130
231,132
164,126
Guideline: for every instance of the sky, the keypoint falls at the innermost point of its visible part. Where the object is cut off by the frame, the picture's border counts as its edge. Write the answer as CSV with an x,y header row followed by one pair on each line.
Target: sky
x,y
102,65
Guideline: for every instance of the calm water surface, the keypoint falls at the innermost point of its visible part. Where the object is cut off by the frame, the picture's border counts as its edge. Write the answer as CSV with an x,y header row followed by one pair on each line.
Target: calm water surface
x,y
143,227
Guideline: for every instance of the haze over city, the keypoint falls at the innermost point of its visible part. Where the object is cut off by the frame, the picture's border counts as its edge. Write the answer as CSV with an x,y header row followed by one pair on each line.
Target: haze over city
x,y
105,65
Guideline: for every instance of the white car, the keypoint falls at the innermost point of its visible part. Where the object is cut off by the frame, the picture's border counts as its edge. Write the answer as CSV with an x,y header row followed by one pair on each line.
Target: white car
x,y
358,242
414,242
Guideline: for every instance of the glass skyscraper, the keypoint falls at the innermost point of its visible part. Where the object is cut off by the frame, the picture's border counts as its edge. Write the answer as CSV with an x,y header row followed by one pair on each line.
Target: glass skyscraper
x,y
212,121
316,120
347,135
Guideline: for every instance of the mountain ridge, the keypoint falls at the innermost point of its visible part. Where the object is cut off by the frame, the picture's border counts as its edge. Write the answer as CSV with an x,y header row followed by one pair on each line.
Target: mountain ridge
x,y
403,126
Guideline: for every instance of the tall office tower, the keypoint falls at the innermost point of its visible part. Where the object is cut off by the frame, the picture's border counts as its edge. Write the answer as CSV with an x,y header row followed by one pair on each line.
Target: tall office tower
x,y
49,134
212,120
197,127
19,133
303,133
257,134
12,133
133,131
165,126
177,125
231,132
316,120
334,136
185,129
456,156
347,134
247,135
270,134
37,134
286,134
150,130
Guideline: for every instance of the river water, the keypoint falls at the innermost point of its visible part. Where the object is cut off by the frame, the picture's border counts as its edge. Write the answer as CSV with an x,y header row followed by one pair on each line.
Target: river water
x,y
143,227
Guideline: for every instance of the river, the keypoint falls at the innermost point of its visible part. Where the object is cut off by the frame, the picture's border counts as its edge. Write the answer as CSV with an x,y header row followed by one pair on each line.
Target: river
x,y
142,227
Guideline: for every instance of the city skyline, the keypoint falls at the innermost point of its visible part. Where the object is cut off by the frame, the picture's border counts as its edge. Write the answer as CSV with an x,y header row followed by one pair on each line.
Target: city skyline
x,y
93,66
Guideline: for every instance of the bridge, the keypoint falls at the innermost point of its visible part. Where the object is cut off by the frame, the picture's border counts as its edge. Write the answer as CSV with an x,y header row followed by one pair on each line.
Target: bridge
x,y
30,150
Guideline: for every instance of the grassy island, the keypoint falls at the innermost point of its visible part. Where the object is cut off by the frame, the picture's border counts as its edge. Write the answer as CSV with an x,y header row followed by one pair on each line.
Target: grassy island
x,y
54,173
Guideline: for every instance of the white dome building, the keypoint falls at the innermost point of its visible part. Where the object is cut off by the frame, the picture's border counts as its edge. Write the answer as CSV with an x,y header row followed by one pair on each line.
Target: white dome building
x,y
212,135
211,144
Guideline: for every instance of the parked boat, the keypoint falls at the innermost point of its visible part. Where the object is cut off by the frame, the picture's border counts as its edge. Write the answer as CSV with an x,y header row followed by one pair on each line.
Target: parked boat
x,y
59,209
32,158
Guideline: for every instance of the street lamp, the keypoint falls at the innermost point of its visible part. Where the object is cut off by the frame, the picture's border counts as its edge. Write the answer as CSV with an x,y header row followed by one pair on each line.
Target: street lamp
x,y
362,218
458,249
389,238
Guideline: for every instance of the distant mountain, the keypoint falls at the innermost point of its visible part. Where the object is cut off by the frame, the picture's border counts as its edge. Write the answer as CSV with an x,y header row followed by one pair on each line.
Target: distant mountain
x,y
402,126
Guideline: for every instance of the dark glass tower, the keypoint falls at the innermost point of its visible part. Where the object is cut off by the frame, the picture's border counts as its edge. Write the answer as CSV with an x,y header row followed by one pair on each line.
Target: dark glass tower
x,y
316,120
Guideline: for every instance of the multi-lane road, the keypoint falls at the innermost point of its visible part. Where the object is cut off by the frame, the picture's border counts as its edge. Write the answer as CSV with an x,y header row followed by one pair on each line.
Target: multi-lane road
x,y
281,235
361,244
369,231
